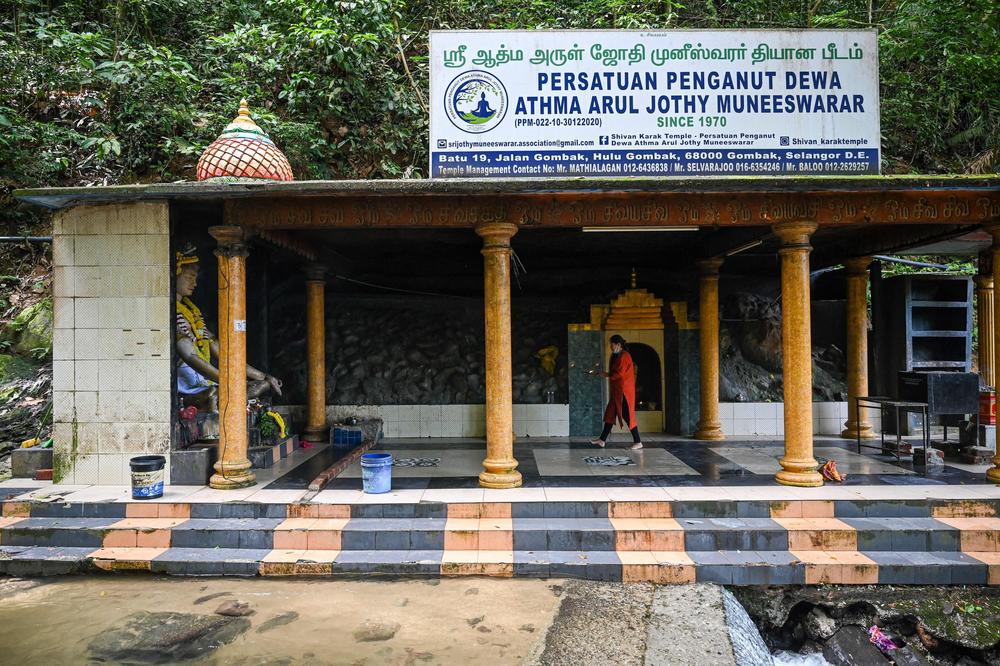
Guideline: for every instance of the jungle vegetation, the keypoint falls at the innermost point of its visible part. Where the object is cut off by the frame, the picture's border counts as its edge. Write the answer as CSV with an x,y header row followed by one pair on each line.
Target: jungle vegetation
x,y
123,91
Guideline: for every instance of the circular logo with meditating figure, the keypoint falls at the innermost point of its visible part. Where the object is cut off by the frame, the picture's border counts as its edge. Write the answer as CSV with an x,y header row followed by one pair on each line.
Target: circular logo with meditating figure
x,y
475,102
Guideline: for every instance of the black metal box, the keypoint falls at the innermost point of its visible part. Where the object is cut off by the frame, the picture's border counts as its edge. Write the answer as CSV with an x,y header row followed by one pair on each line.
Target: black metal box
x,y
944,392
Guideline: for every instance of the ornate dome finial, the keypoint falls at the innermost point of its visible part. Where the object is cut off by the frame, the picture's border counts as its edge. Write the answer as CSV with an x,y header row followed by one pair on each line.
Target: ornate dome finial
x,y
243,151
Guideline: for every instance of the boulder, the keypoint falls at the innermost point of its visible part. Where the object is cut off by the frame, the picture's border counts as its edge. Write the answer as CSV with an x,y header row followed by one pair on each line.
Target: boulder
x,y
33,327
851,647
818,625
375,630
165,638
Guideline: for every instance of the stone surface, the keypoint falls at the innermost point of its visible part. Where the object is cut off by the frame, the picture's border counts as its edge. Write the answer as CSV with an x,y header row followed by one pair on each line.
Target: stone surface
x,y
597,624
750,364
192,467
850,647
25,462
376,630
387,351
698,613
234,608
163,638
944,614
33,329
818,625
278,621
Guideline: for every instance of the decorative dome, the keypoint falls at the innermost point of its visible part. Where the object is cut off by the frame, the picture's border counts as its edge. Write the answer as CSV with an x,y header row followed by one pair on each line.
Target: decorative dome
x,y
243,151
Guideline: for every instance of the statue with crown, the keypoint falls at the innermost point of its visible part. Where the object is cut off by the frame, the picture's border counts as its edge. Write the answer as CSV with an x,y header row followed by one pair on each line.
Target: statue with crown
x,y
241,153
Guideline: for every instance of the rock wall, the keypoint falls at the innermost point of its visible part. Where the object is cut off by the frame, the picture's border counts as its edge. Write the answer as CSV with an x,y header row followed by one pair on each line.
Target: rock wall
x,y
414,350
419,351
750,365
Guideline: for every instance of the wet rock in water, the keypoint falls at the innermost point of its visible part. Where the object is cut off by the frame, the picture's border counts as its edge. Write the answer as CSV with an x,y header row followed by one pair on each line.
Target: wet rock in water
x,y
163,638
375,630
209,597
234,608
278,621
818,625
851,647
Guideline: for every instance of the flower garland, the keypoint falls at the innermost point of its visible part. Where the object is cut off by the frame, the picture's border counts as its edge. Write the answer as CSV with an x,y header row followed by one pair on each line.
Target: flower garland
x,y
280,421
192,315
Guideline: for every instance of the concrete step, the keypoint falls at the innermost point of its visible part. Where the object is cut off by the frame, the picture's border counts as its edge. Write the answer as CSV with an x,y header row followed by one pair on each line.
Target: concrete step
x,y
692,535
664,567
923,508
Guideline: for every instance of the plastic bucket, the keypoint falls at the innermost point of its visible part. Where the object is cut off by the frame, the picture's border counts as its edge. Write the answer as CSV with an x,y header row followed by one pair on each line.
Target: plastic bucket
x,y
147,476
376,472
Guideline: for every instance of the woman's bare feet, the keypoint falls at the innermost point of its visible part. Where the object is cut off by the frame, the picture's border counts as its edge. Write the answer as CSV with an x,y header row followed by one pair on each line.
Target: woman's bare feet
x,y
597,442
636,446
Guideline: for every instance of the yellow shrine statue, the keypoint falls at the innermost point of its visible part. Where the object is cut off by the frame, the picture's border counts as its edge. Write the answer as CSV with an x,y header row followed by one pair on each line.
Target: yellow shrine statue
x,y
197,347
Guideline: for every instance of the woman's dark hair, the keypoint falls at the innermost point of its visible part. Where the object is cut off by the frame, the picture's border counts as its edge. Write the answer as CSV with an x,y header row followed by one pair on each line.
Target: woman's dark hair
x,y
620,340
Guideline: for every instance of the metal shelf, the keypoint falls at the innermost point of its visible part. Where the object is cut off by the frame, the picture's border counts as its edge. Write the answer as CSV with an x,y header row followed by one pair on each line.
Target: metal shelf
x,y
939,334
938,304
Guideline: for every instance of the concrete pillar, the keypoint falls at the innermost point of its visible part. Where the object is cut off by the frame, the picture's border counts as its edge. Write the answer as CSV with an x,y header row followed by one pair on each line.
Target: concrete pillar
x,y
993,473
798,464
857,347
232,470
709,424
984,315
500,467
316,429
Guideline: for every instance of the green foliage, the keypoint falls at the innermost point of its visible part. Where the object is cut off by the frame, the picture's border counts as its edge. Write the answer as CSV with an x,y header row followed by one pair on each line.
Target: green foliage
x,y
955,264
119,91
268,427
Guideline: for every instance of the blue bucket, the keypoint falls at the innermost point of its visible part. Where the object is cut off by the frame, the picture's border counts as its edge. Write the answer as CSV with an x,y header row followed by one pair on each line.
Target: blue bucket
x,y
376,472
147,476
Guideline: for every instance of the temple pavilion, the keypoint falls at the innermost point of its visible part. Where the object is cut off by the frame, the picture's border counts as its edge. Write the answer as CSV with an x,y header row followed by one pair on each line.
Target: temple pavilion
x,y
642,257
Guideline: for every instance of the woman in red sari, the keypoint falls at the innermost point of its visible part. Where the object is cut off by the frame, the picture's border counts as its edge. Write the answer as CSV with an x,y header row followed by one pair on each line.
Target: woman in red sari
x,y
621,406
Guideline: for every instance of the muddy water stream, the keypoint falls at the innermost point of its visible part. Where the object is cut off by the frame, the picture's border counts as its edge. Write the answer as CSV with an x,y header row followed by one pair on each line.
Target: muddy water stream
x,y
293,621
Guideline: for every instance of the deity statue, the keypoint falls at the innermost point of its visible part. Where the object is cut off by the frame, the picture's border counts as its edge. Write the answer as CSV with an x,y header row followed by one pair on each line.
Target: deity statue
x,y
197,346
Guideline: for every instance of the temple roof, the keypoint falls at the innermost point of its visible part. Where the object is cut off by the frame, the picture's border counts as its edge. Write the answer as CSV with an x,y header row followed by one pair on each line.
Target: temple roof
x,y
60,197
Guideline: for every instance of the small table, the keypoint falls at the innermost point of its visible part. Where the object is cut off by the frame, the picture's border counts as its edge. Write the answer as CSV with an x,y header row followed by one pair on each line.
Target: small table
x,y
897,406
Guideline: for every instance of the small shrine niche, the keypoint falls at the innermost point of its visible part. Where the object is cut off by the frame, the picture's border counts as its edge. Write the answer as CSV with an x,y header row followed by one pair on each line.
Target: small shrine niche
x,y
638,316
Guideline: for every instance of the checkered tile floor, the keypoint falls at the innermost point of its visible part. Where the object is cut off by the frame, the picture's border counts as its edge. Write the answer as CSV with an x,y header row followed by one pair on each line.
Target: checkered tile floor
x,y
666,462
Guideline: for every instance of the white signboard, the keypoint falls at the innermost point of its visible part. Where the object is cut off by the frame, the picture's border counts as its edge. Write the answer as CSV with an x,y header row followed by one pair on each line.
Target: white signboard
x,y
643,103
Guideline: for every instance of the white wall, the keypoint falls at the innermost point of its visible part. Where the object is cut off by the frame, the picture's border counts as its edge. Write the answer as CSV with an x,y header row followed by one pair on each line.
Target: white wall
x,y
767,418
738,418
111,341
450,420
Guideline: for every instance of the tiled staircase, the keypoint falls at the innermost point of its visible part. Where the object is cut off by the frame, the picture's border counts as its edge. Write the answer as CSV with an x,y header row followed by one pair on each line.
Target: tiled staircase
x,y
740,543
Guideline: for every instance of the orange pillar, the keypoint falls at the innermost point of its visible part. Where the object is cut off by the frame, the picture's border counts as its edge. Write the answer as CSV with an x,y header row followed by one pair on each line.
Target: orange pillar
x,y
857,346
984,314
316,429
798,464
232,469
709,424
500,467
993,473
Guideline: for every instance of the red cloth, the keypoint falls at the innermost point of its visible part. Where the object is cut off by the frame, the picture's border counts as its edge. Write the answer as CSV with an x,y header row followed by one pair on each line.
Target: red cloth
x,y
621,375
